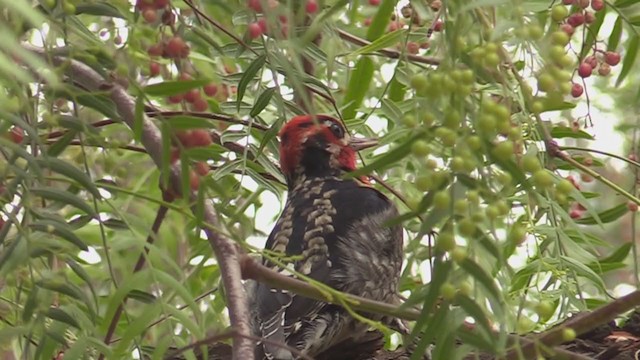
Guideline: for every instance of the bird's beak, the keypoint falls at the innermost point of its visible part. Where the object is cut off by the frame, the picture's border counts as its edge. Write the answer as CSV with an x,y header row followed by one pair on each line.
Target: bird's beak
x,y
358,144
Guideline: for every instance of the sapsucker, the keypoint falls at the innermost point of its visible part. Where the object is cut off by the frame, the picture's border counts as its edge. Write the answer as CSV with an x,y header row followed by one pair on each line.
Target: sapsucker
x,y
333,229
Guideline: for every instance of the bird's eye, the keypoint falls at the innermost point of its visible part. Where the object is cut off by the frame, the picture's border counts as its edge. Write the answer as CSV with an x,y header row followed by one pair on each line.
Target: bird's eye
x,y
336,129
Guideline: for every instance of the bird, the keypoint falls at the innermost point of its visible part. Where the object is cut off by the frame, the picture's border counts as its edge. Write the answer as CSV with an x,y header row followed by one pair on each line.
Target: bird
x,y
333,229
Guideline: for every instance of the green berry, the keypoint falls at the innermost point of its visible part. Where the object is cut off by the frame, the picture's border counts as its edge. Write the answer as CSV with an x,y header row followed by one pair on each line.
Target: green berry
x,y
542,179
503,150
460,206
517,234
428,119
448,291
441,200
560,38
420,148
457,164
564,186
424,182
473,196
568,334
409,121
492,59
530,163
467,228
465,288
537,107
487,123
544,309
474,142
419,82
445,241
559,12
459,254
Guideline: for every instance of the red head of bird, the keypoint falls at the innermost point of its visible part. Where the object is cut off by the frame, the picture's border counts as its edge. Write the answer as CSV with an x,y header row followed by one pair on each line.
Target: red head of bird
x,y
317,145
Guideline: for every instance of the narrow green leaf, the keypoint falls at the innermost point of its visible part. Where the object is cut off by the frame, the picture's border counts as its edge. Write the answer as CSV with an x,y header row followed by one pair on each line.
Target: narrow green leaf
x,y
31,304
141,296
584,271
99,9
358,86
483,278
559,132
70,171
61,144
386,159
475,311
65,197
624,3
384,41
606,216
62,316
616,35
629,58
381,19
60,229
78,350
168,88
262,101
249,74
619,255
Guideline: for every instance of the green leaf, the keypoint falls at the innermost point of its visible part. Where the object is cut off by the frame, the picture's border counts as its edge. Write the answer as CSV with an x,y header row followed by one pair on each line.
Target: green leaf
x,y
584,271
389,158
619,255
65,197
616,35
475,311
380,20
261,102
61,144
168,88
606,216
559,132
249,74
358,86
60,315
99,9
629,58
482,277
70,171
60,229
383,42
624,3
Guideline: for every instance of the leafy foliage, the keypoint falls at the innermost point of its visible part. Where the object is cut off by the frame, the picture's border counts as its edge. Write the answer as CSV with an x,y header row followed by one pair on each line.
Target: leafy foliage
x,y
486,112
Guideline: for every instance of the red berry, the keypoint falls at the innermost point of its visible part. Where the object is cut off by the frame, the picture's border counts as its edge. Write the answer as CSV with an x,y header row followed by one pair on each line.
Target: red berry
x,y
154,68
262,23
576,90
283,19
184,137
194,180
597,5
583,3
168,17
413,47
567,2
150,15
438,25
255,5
199,138
589,17
633,207
366,22
612,58
144,4
575,214
604,69
185,77
592,60
374,2
201,168
175,47
175,99
174,155
312,6
210,89
632,157
568,29
161,4
192,95
155,50
254,30
584,70
16,135
200,105
576,19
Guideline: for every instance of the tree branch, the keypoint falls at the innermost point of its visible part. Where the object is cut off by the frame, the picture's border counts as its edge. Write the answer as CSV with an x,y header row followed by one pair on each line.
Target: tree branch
x,y
225,250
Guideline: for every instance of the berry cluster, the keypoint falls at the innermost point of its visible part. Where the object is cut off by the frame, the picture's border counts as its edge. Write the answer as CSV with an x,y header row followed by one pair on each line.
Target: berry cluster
x,y
570,19
186,140
262,26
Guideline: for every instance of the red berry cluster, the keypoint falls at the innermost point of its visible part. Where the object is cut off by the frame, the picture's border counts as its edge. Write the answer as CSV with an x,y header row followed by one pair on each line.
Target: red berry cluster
x,y
571,18
262,27
154,10
190,139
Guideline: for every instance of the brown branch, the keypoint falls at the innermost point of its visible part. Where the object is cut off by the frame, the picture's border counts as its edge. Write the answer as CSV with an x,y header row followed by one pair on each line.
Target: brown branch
x,y
160,215
225,250
580,324
388,52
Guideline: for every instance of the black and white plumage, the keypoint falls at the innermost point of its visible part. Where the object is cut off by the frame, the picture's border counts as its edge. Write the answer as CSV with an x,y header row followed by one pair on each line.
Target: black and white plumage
x,y
334,230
